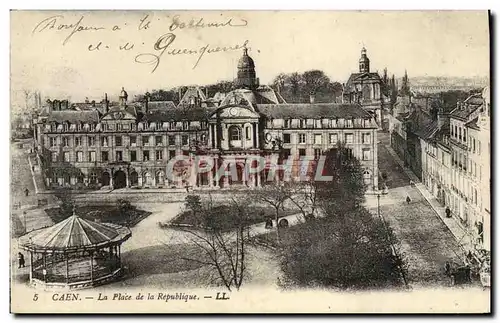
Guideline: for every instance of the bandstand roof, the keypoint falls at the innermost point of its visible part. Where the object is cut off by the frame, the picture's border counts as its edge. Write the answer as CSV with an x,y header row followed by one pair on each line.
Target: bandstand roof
x,y
73,234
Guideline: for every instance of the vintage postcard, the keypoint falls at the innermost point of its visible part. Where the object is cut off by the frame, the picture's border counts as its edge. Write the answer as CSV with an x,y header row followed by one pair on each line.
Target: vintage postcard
x,y
250,161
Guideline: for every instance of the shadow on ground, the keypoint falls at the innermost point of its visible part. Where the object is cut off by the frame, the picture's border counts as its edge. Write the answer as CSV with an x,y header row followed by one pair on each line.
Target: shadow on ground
x,y
161,259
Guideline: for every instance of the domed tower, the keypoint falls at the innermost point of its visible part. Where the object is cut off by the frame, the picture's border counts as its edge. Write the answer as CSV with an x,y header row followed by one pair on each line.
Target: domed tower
x,y
246,72
364,62
123,97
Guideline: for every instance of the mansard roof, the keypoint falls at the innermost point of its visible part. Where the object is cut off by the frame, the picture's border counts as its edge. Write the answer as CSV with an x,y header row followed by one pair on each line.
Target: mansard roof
x,y
160,105
73,116
177,114
313,111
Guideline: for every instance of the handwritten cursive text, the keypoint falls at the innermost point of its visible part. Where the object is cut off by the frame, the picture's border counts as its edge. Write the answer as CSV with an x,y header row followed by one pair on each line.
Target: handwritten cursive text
x,y
163,46
52,23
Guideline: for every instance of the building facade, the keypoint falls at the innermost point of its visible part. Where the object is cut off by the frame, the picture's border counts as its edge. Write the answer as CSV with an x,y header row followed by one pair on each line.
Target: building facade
x,y
365,88
132,145
456,165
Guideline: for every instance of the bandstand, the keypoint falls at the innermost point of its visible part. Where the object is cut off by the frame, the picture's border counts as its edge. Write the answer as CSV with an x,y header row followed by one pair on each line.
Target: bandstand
x,y
75,253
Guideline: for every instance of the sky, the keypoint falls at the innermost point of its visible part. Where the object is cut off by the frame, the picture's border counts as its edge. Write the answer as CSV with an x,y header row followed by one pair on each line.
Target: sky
x,y
50,50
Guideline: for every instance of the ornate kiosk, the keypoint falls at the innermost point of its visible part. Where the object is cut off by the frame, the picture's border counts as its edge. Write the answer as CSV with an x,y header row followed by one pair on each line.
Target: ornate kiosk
x,y
75,253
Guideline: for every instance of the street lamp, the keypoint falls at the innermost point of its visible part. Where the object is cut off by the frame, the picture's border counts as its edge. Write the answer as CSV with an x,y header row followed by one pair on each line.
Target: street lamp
x,y
24,218
378,204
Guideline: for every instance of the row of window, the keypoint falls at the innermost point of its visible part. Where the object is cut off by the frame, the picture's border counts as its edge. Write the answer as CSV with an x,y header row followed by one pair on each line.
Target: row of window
x,y
334,138
366,153
118,141
121,126
91,156
472,145
459,133
323,123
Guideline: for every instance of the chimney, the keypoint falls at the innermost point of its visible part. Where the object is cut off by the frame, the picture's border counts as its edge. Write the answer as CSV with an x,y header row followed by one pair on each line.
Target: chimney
x,y
49,106
441,118
106,103
146,105
311,98
206,92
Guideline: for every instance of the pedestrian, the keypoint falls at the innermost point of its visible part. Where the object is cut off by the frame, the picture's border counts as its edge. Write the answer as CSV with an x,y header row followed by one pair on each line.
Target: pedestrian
x,y
447,269
27,192
20,259
33,168
408,199
448,212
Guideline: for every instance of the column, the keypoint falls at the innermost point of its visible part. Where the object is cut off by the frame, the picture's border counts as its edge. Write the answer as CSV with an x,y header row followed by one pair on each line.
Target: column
x,y
244,175
91,267
215,137
127,182
210,178
31,265
258,175
211,137
257,135
67,267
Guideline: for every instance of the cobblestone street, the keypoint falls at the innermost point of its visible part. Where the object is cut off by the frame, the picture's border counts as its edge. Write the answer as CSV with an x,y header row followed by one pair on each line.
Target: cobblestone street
x,y
425,240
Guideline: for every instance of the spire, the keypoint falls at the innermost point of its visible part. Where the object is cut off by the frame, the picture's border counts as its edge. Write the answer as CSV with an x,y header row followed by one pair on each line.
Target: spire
x,y
364,62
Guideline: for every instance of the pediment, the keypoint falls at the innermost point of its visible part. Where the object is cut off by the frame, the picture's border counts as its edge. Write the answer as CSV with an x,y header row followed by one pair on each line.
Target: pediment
x,y
118,115
235,112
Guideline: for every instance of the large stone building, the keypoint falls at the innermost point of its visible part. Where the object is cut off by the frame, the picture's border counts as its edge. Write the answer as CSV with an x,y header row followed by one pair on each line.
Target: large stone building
x,y
130,144
456,164
365,88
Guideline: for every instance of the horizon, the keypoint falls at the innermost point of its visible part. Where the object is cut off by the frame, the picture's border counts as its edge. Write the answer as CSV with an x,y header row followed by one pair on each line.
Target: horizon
x,y
276,41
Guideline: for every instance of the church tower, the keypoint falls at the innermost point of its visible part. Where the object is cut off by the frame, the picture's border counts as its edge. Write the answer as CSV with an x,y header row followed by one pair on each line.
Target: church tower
x,y
246,77
364,62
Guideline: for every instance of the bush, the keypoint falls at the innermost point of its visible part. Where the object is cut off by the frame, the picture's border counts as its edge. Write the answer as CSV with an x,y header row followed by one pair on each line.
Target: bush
x,y
350,251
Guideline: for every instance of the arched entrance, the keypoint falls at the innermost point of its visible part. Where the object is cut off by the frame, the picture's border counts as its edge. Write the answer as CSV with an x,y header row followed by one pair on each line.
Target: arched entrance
x,y
105,179
119,179
160,178
134,178
147,179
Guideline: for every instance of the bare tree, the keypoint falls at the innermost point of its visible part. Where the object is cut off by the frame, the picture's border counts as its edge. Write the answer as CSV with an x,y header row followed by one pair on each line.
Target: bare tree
x,y
304,195
275,195
222,242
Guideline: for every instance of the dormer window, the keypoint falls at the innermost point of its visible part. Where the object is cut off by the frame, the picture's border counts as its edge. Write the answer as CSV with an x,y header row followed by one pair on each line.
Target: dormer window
x,y
79,126
158,125
171,125
288,123
65,126
185,125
